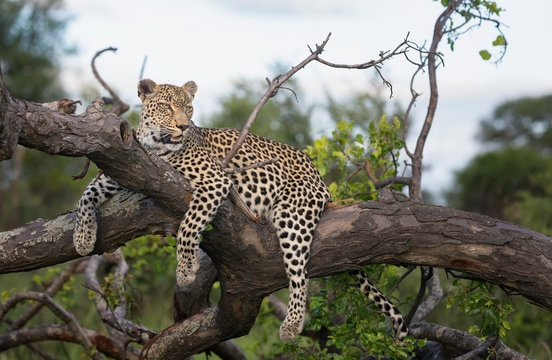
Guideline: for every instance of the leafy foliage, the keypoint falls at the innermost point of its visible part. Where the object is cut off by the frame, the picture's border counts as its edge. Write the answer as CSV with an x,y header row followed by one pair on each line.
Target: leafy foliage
x,y
477,299
31,42
351,163
492,181
479,11
338,309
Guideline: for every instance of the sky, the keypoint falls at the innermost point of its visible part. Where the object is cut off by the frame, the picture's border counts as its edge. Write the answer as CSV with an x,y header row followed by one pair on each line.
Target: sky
x,y
216,42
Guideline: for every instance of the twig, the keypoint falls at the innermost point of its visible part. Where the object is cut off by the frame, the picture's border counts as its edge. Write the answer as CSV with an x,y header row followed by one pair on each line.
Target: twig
x,y
84,171
251,166
119,106
275,84
72,268
58,310
114,317
403,276
480,349
415,186
427,272
141,76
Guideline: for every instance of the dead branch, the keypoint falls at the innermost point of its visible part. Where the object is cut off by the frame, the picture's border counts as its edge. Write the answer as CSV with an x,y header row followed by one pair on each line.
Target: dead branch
x,y
102,343
115,318
461,340
72,268
118,107
275,84
432,56
55,308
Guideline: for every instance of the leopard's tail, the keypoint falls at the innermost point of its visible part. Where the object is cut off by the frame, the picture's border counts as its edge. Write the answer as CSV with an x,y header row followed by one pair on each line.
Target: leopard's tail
x,y
368,288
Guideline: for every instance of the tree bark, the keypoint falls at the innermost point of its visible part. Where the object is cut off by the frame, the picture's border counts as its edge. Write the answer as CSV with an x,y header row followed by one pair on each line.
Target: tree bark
x,y
246,255
250,266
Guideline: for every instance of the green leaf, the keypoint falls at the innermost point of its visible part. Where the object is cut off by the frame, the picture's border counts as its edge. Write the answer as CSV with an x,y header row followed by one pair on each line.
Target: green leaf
x,y
499,41
485,55
473,329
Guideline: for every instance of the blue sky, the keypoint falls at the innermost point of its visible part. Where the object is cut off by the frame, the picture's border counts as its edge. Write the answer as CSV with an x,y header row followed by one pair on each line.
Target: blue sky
x,y
215,42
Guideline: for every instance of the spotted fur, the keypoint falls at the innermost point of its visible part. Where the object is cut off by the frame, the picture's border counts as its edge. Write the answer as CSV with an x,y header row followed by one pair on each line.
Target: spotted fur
x,y
289,193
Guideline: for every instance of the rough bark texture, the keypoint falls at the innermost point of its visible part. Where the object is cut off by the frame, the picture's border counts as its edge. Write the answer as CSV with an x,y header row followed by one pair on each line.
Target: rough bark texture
x,y
246,255
250,265
9,126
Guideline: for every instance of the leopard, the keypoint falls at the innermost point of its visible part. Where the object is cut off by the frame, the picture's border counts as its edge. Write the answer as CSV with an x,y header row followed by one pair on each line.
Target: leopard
x,y
289,194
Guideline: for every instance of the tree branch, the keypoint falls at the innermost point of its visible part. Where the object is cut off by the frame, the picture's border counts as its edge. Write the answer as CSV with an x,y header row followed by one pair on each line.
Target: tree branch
x,y
104,344
59,311
118,106
461,340
115,318
275,84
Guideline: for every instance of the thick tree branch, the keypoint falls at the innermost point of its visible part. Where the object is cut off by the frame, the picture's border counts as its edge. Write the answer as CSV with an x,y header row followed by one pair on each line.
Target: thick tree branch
x,y
461,340
104,344
104,138
9,127
396,233
249,263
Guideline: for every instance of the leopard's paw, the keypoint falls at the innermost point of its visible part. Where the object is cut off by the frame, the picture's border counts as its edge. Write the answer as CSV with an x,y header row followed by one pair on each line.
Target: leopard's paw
x,y
84,237
290,329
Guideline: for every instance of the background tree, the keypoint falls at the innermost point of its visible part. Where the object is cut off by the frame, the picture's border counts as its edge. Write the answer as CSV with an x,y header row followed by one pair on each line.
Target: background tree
x,y
31,45
512,182
286,119
519,132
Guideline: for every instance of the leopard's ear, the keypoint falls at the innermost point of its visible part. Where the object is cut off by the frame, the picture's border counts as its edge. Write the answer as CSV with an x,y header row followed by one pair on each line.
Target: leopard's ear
x,y
190,87
146,88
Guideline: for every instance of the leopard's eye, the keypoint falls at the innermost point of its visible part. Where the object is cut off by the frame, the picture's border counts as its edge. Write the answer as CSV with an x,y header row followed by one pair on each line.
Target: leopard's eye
x,y
166,106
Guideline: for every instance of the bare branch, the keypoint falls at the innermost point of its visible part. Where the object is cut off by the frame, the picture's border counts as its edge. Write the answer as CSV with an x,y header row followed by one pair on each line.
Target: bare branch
x,y
119,106
278,306
114,317
72,268
460,340
434,297
104,344
415,185
59,311
275,84
427,273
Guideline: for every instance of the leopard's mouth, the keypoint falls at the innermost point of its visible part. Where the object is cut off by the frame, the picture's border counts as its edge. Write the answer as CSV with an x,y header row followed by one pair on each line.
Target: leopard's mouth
x,y
169,139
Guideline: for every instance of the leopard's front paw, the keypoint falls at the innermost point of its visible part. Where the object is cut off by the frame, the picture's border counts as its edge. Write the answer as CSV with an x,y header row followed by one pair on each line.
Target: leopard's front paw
x,y
84,237
290,329
186,269
184,279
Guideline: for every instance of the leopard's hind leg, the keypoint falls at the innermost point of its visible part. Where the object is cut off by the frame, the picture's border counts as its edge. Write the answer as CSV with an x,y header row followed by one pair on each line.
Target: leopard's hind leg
x,y
295,219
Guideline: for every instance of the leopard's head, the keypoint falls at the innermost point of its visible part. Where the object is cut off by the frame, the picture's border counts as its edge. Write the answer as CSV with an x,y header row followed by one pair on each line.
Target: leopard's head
x,y
166,114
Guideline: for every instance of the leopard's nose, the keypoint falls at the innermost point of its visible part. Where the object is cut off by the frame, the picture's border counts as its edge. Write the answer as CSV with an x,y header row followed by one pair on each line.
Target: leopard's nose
x,y
183,127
